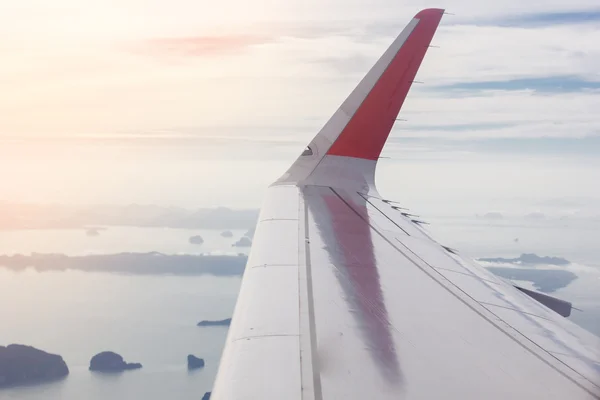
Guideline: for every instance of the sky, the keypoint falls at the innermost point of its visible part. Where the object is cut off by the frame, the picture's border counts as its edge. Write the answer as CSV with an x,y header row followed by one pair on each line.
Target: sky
x,y
168,102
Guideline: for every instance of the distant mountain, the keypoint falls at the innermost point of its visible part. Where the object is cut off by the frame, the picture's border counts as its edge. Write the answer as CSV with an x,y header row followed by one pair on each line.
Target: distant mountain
x,y
197,239
132,263
28,216
493,215
222,322
530,259
244,241
536,215
218,218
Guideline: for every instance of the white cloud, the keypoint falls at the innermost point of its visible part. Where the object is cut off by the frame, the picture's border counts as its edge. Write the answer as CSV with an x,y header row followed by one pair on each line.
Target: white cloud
x,y
472,53
528,114
67,68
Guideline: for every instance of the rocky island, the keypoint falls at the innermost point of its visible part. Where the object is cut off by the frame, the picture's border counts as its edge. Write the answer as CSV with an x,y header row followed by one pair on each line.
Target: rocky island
x,y
243,242
92,232
107,361
23,365
194,362
493,215
196,239
223,322
227,234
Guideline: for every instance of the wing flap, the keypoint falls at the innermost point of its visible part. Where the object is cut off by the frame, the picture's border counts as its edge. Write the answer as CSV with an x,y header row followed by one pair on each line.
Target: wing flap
x,y
561,307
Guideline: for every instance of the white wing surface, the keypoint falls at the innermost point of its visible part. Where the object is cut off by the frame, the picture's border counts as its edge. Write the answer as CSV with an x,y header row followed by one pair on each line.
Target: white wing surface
x,y
346,296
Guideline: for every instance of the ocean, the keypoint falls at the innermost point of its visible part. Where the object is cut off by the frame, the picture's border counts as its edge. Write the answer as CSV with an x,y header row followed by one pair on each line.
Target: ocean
x,y
152,319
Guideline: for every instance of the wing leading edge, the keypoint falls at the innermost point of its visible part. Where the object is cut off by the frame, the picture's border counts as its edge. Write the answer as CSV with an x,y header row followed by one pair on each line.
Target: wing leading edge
x,y
346,297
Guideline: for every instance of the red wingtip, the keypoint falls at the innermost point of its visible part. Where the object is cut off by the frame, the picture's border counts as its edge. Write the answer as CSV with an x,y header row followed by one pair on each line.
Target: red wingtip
x,y
430,13
367,131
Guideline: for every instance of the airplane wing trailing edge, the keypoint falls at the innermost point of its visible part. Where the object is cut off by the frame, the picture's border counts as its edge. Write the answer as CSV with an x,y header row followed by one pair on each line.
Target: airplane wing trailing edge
x,y
346,296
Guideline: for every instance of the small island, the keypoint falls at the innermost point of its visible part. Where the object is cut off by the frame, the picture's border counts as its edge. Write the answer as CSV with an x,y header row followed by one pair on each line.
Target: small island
x,y
24,365
107,361
243,242
223,322
227,234
196,239
92,232
493,215
194,362
536,215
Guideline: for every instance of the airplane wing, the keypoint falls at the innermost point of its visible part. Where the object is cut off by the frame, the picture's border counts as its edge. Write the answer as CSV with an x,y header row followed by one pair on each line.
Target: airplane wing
x,y
346,296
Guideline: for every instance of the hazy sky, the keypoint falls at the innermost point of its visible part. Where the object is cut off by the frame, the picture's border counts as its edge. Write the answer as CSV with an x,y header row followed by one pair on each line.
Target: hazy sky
x,y
166,102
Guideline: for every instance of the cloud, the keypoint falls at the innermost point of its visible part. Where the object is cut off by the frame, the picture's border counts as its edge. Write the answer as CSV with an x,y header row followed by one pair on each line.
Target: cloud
x,y
347,64
500,114
489,78
492,53
458,127
535,20
199,46
542,84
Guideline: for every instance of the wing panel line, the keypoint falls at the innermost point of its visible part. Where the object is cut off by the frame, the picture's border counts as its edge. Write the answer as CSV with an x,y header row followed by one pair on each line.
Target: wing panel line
x,y
421,231
382,213
308,367
513,309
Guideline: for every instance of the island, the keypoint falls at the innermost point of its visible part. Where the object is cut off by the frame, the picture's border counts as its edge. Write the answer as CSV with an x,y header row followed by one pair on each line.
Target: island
x,y
223,322
196,239
108,361
493,215
194,362
152,263
531,259
23,365
206,396
536,215
92,232
227,234
243,242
